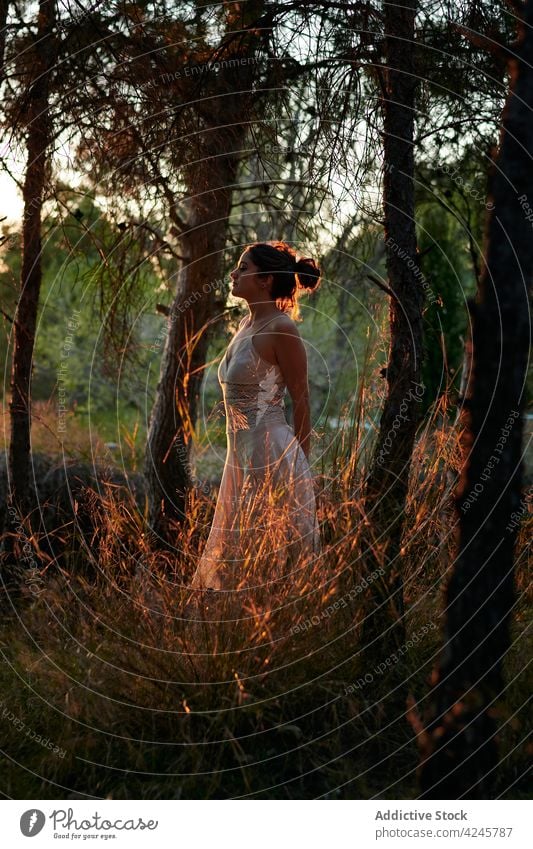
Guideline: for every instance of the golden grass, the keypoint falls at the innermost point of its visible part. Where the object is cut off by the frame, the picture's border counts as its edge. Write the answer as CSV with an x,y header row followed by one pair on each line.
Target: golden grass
x,y
151,697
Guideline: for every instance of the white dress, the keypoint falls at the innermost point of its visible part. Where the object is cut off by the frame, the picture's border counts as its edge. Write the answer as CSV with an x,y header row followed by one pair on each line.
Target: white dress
x,y
265,517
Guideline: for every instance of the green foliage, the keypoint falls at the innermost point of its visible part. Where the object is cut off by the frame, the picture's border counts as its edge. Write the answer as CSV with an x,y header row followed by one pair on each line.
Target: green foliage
x,y
73,347
451,212
445,268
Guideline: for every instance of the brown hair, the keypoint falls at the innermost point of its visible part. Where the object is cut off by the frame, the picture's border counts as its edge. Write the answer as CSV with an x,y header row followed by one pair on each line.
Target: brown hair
x,y
289,275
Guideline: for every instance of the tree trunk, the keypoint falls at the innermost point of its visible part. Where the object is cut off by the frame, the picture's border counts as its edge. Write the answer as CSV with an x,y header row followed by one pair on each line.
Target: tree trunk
x,y
4,8
386,488
175,411
458,741
38,140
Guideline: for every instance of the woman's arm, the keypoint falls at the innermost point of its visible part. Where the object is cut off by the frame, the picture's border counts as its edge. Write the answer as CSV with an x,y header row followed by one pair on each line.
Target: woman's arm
x,y
292,359
302,421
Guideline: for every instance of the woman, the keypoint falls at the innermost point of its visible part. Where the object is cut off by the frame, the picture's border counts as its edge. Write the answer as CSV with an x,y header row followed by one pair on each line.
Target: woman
x,y
266,502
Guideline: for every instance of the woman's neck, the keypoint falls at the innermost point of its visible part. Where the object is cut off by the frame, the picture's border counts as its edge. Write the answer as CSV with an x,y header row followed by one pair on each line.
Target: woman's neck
x,y
262,310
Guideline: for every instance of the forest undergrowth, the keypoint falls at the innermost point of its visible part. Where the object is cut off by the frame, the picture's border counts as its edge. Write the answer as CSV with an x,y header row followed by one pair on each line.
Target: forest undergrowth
x,y
117,682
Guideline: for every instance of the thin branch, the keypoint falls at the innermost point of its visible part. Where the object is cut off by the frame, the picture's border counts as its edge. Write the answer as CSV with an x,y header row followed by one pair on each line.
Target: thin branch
x,y
158,237
383,286
12,320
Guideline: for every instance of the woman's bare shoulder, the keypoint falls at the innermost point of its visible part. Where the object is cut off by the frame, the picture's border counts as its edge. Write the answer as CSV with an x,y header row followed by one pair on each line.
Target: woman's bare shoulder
x,y
285,324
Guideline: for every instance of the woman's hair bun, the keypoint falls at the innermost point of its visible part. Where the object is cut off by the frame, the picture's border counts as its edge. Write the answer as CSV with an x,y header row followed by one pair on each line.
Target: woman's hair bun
x,y
307,273
290,277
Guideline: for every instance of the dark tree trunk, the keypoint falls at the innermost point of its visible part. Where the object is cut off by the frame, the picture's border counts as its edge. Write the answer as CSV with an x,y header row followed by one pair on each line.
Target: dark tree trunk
x,y
37,144
4,8
175,411
386,488
458,742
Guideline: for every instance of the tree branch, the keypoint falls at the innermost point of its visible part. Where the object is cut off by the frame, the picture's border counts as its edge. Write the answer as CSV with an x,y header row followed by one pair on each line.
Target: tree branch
x,y
383,286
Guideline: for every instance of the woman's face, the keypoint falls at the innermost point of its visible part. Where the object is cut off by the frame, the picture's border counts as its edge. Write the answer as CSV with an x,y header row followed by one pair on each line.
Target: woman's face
x,y
246,282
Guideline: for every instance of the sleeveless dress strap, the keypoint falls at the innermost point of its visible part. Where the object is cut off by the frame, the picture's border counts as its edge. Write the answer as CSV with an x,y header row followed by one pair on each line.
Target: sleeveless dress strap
x,y
264,325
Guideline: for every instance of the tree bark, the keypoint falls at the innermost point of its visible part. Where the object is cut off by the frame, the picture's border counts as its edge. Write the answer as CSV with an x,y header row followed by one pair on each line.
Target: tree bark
x,y
175,410
386,487
4,8
37,144
210,181
459,751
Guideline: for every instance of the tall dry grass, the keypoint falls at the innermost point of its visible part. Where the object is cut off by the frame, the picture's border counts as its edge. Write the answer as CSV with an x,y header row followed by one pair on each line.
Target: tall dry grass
x,y
261,692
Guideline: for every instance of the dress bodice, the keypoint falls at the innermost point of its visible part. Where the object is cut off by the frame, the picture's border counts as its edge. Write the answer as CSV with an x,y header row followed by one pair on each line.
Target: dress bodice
x,y
253,388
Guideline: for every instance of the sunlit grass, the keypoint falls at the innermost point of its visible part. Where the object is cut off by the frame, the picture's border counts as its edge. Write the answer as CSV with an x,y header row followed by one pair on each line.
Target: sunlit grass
x,y
153,696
